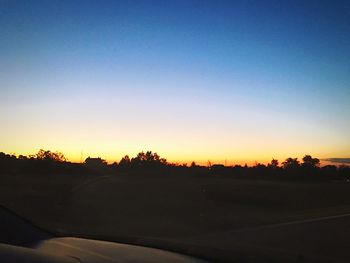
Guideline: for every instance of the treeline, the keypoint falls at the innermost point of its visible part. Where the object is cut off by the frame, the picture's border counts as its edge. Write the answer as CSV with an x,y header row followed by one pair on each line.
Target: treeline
x,y
48,162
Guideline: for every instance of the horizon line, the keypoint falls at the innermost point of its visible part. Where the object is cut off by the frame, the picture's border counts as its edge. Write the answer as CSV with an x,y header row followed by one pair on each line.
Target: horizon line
x,y
208,162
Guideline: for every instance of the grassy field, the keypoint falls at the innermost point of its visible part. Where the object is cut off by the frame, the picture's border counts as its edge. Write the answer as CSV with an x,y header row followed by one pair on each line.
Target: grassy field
x,y
190,209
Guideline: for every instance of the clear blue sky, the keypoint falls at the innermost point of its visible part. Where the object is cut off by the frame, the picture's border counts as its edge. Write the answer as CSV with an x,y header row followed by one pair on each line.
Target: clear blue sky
x,y
235,80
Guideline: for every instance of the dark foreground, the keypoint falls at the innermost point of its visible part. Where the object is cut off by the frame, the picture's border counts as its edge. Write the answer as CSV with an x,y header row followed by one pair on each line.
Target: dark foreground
x,y
218,218
21,241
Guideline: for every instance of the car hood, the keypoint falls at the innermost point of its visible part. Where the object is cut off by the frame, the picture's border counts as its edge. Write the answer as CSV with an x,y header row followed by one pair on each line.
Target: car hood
x,y
71,250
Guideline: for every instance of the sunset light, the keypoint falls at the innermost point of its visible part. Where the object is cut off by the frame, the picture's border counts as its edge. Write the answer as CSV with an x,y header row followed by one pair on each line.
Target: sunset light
x,y
221,81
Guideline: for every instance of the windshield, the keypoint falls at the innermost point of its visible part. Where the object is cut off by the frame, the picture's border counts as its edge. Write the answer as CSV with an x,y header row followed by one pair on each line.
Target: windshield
x,y
217,129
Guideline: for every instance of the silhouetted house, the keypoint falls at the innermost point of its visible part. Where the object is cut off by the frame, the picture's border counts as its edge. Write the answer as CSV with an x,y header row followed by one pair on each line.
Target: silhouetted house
x,y
95,162
217,168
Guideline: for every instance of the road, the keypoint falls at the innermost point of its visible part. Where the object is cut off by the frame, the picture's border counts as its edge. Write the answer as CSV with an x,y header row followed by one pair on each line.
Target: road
x,y
324,238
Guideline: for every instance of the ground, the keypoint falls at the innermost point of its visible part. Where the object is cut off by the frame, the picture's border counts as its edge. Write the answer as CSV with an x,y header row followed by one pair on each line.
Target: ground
x,y
223,214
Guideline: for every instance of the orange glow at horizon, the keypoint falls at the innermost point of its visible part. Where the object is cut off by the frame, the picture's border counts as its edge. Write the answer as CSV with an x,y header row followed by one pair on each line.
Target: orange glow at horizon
x,y
173,157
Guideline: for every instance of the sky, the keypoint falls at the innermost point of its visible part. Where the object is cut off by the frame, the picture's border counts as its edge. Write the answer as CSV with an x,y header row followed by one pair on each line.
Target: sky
x,y
240,81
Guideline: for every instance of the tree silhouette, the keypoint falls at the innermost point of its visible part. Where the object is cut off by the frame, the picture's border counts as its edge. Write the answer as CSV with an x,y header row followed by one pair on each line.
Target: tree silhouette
x,y
148,159
50,156
273,164
125,161
310,162
291,163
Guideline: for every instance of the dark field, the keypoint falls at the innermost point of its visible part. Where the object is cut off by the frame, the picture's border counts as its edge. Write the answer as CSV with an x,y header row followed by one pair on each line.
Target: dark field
x,y
213,216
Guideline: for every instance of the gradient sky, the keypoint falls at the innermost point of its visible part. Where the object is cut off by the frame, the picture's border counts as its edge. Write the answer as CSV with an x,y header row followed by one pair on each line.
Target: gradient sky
x,y
191,80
